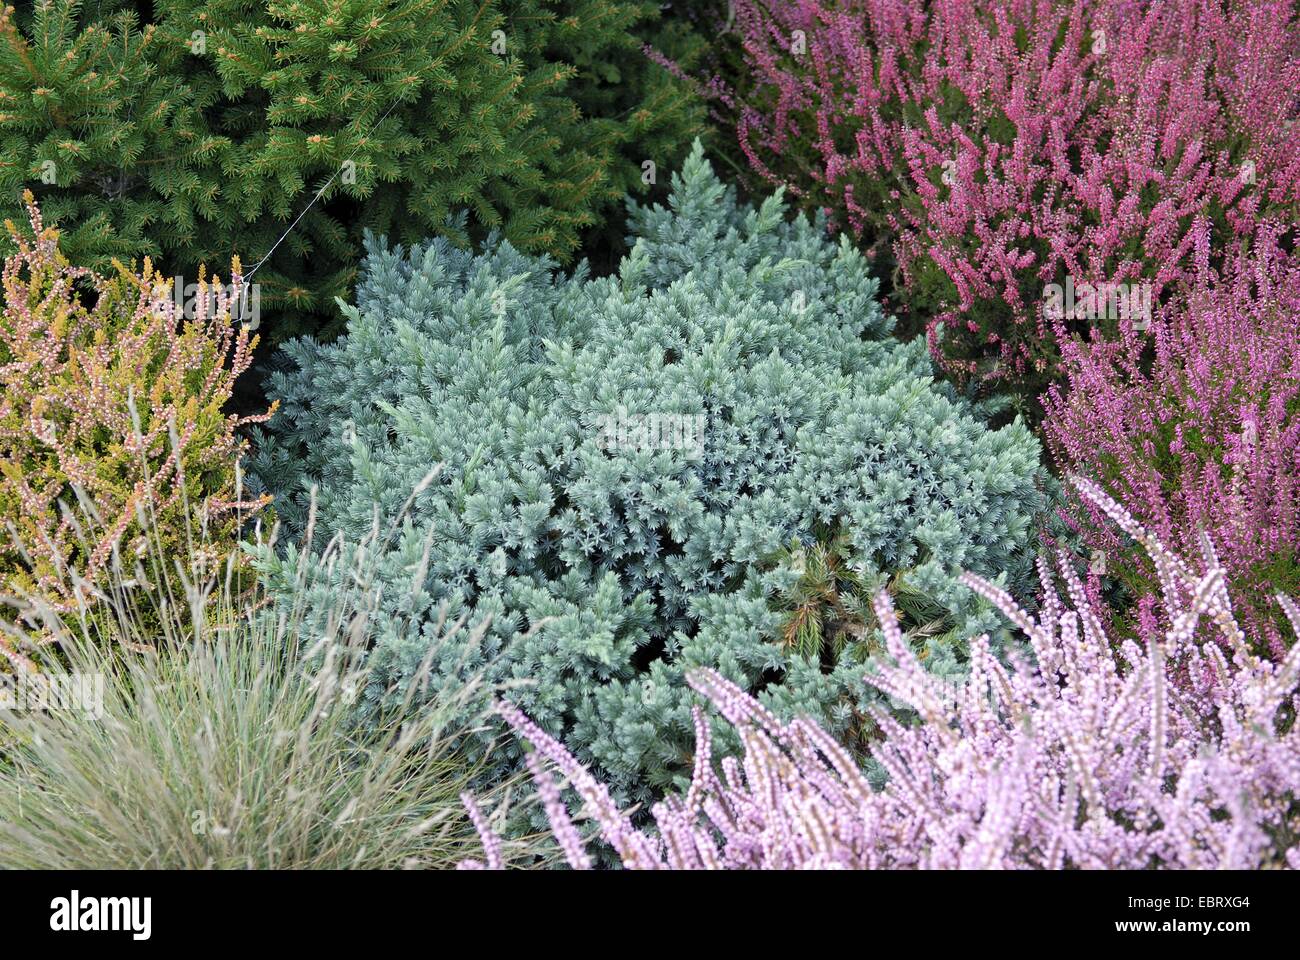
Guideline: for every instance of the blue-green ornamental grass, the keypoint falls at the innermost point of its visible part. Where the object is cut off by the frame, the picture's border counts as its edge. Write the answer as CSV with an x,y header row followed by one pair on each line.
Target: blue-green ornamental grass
x,y
609,561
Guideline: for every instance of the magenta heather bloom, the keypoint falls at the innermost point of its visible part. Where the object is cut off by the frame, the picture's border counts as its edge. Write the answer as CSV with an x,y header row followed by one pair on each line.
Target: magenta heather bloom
x,y
1009,145
1160,751
1205,436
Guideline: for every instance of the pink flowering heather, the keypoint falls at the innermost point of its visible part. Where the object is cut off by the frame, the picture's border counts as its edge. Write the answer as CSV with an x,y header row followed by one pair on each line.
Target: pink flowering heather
x,y
1105,753
1004,146
1205,435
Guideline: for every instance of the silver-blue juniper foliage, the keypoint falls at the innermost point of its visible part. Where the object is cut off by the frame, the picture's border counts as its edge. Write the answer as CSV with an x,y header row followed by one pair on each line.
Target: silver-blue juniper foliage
x,y
622,459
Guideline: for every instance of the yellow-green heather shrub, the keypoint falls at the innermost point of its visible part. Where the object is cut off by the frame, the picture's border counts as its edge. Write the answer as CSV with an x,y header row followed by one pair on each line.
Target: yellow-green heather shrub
x,y
112,423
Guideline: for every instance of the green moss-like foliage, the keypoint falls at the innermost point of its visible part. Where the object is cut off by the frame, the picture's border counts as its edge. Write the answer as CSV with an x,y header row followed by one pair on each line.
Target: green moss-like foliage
x,y
608,567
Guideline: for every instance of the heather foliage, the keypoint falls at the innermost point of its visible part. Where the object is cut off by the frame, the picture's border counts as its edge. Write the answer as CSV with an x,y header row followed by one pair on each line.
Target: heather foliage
x,y
1105,753
1004,147
682,514
208,131
602,555
1204,436
112,429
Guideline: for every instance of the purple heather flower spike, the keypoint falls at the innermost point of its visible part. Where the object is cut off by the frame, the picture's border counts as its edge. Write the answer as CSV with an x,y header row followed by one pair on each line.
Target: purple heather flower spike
x,y
1110,756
